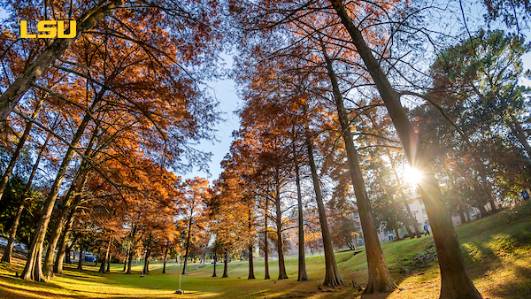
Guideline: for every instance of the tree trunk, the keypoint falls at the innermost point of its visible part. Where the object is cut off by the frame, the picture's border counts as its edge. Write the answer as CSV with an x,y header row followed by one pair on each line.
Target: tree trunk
x,y
38,66
280,244
125,261
105,257
351,244
379,279
20,145
68,258
409,232
126,257
131,249
251,265
250,248
332,278
485,186
302,275
108,264
455,283
71,201
80,258
129,261
164,259
225,264
8,251
397,233
32,269
145,270
102,266
266,243
188,237
482,211
65,236
64,249
492,204
214,274
462,216
62,217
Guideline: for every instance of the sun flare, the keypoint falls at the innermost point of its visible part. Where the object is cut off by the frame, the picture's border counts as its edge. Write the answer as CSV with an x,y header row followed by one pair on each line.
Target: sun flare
x,y
413,176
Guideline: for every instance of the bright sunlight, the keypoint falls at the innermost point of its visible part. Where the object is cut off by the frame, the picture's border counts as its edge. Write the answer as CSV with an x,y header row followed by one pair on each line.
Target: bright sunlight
x,y
413,176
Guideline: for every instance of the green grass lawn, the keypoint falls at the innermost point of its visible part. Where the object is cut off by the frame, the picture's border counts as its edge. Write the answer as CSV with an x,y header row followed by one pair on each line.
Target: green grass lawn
x,y
497,252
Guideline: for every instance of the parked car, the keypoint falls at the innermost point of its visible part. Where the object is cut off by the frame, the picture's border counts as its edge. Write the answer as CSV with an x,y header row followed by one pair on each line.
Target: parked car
x,y
21,247
89,257
3,242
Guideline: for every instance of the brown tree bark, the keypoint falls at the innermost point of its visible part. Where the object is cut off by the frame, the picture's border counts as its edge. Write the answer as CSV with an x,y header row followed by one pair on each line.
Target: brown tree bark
x,y
131,248
251,263
250,247
64,217
130,256
280,244
455,283
80,258
214,274
108,270
64,248
379,277
8,251
492,204
33,268
397,233
70,200
462,215
126,258
145,270
408,229
225,264
482,211
105,257
332,278
266,240
188,238
68,252
164,259
63,242
302,275
38,66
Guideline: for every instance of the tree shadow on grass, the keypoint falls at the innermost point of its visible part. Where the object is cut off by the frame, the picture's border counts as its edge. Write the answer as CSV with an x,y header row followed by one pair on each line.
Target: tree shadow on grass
x,y
13,287
485,253
515,289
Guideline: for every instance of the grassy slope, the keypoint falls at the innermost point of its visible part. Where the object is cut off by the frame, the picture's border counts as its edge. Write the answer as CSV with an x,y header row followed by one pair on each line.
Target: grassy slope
x,y
497,252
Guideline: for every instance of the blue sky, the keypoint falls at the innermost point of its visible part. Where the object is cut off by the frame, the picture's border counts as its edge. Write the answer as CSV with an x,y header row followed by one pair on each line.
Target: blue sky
x,y
225,92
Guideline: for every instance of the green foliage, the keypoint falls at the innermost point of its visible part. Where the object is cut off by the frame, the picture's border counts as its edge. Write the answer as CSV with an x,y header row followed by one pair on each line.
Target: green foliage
x,y
8,206
482,74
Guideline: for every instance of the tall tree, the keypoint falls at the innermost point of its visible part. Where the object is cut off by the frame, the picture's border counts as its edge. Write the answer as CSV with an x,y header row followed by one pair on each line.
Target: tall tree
x,y
455,282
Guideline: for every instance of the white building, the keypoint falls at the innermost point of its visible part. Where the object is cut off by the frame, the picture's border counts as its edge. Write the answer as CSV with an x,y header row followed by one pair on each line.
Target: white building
x,y
419,212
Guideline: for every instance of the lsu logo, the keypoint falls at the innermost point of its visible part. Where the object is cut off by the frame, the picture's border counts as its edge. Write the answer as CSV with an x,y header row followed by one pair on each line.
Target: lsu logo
x,y
49,29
